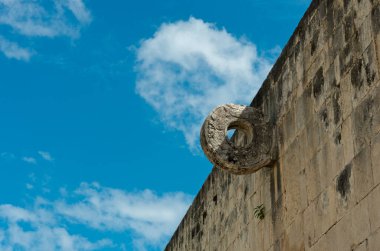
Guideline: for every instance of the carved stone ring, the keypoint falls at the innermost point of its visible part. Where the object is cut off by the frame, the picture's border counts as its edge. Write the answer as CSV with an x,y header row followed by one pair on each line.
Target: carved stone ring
x,y
248,150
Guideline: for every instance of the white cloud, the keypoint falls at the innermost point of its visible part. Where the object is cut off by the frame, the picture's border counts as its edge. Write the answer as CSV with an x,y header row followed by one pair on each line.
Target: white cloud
x,y
29,160
45,155
150,218
37,229
13,50
189,67
40,19
79,10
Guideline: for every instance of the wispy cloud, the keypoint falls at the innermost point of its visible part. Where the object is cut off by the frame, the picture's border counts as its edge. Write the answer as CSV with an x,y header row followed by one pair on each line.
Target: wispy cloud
x,y
29,160
37,229
189,67
13,50
45,155
149,217
40,19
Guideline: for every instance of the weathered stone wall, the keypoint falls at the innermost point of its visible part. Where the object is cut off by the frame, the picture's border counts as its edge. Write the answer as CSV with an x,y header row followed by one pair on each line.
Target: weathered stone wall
x,y
323,95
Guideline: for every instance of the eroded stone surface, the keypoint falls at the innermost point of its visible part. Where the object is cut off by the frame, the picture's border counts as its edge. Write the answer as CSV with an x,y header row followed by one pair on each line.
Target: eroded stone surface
x,y
248,150
322,192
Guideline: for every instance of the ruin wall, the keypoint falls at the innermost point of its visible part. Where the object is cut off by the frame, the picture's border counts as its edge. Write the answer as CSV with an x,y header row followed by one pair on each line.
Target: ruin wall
x,y
323,193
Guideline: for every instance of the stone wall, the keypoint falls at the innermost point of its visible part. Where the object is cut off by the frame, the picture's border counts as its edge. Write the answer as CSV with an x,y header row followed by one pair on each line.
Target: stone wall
x,y
323,96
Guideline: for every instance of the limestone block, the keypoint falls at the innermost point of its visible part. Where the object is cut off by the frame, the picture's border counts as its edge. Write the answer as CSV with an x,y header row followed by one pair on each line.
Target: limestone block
x,y
315,135
350,29
362,174
347,56
344,234
268,230
362,246
289,120
321,244
360,222
327,205
292,197
347,141
363,10
361,125
345,94
337,70
331,238
375,155
374,241
336,155
375,15
337,41
313,179
302,190
309,231
295,234
319,88
373,208
344,191
303,110
299,63
376,111
338,10
371,66
324,166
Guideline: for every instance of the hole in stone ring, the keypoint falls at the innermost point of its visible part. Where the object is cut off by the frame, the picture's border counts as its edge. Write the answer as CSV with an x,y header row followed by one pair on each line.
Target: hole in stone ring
x,y
230,133
239,133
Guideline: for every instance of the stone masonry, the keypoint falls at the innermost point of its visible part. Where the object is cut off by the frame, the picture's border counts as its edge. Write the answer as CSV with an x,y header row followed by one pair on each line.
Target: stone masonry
x,y
323,192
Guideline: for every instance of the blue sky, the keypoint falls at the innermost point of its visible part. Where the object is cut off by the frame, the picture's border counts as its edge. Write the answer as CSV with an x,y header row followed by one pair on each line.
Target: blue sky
x,y
101,103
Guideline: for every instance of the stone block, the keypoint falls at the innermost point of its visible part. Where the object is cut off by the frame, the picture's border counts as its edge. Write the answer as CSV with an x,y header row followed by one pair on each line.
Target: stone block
x,y
292,197
295,234
350,28
329,204
331,238
374,209
313,132
289,126
360,222
362,11
268,230
362,246
309,231
362,125
303,110
303,190
365,33
338,10
324,166
376,111
344,234
347,141
313,178
374,241
303,153
375,156
344,194
362,174
375,16
345,96
336,154
321,244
